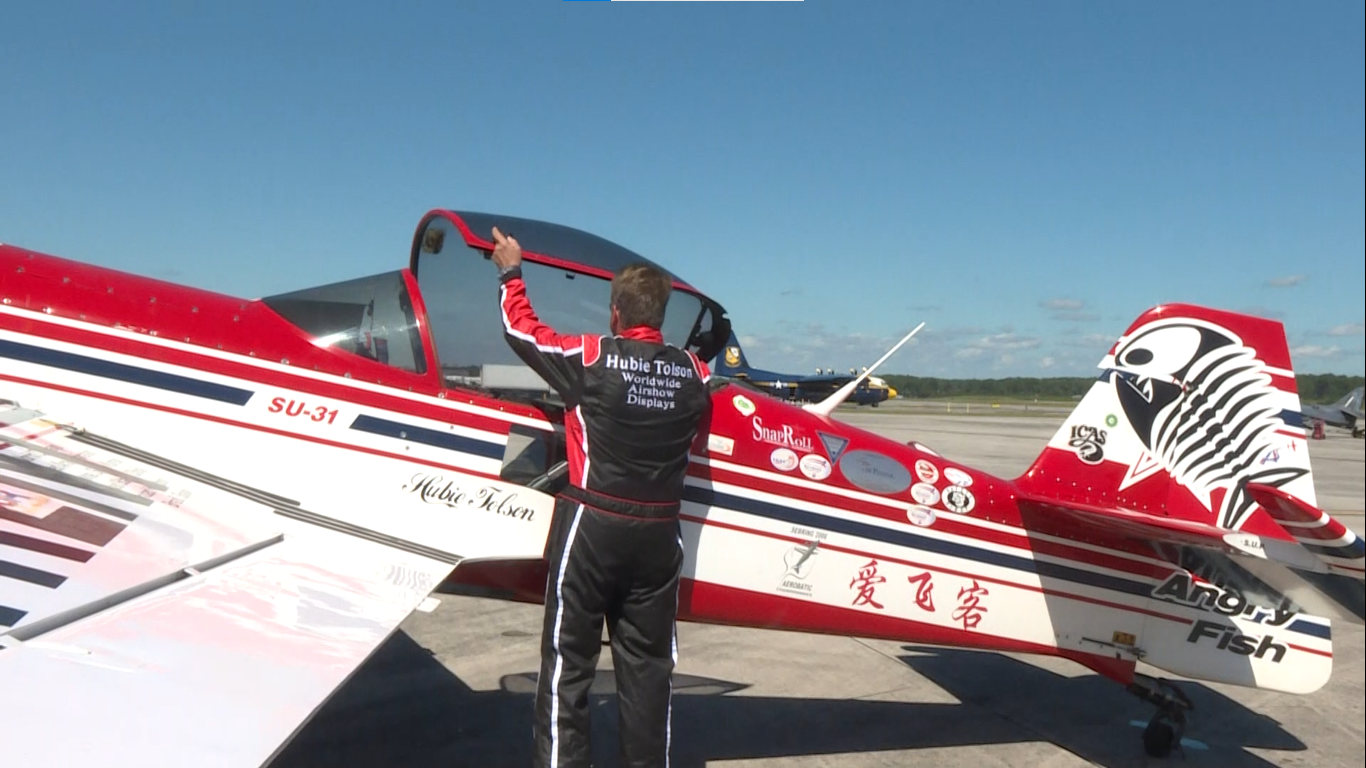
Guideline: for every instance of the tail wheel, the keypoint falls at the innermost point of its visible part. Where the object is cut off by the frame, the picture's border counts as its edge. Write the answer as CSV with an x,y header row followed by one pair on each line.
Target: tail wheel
x,y
1162,734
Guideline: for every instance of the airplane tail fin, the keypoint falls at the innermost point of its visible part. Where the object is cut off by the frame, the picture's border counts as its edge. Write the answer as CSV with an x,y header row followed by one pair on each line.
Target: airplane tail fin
x,y
1186,437
1183,444
732,360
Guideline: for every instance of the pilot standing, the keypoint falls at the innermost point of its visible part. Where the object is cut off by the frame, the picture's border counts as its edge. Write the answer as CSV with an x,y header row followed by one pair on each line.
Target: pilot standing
x,y
633,407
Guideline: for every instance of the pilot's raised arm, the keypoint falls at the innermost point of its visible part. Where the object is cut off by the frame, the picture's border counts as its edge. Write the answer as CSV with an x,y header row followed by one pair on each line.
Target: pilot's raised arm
x,y
558,358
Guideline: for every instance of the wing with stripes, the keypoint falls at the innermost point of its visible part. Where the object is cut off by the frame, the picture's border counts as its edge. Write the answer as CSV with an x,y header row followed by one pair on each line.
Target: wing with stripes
x,y
130,590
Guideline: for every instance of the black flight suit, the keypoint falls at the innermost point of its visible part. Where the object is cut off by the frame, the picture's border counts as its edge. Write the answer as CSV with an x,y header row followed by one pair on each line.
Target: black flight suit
x,y
634,406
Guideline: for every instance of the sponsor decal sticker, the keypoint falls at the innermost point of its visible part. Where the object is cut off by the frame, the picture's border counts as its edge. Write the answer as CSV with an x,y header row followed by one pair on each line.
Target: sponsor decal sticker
x,y
874,472
921,516
743,404
957,476
925,493
1089,442
783,459
721,445
815,466
783,434
797,564
926,471
1111,420
1123,638
834,445
958,499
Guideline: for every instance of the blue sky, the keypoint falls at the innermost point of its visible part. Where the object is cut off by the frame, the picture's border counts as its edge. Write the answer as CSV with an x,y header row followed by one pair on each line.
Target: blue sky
x,y
1026,178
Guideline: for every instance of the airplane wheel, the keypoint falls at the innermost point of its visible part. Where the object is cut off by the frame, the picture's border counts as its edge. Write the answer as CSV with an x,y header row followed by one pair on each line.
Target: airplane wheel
x,y
1160,736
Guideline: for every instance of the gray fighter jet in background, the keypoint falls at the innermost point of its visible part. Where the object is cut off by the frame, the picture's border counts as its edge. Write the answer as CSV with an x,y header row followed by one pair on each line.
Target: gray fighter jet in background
x,y
1345,413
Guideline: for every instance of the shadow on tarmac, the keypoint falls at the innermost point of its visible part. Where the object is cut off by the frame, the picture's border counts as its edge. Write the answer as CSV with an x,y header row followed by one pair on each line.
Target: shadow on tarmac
x,y
404,709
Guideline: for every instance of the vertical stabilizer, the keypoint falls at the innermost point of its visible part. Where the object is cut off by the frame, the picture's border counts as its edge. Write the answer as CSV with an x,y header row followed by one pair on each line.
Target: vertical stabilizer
x,y
1191,407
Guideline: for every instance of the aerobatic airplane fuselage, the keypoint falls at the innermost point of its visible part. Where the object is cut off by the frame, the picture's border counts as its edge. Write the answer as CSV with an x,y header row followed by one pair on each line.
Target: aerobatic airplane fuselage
x,y
391,409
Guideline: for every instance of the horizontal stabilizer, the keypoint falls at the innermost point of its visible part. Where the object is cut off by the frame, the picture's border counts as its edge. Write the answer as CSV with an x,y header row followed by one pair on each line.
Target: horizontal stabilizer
x,y
1335,544
1115,520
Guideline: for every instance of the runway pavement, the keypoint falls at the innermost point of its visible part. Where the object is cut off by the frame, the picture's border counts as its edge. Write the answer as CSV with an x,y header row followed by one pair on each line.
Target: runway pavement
x,y
454,687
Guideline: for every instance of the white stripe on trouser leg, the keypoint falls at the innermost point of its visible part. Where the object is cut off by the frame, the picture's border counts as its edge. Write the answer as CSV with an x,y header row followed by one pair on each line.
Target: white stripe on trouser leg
x,y
555,643
673,650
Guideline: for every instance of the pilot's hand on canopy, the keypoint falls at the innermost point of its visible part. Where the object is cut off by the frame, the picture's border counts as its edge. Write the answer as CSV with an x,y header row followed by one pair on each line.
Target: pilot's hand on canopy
x,y
506,251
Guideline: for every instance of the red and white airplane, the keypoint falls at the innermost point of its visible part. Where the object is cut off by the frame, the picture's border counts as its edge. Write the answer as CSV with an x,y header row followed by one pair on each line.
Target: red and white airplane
x,y
212,510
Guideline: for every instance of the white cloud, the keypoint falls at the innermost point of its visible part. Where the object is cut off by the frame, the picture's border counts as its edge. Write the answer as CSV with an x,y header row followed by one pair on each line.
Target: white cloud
x,y
1314,350
1046,362
1347,329
1068,310
1057,304
1285,282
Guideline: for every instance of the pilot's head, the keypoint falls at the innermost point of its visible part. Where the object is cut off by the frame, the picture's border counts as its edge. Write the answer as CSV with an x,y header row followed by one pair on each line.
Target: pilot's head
x,y
639,295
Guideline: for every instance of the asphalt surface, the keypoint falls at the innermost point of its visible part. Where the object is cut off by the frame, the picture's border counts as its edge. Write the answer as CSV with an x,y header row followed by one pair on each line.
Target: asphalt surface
x,y
454,687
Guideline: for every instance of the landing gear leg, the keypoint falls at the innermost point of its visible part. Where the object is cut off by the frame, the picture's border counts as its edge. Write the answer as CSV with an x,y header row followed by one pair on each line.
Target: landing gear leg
x,y
1168,725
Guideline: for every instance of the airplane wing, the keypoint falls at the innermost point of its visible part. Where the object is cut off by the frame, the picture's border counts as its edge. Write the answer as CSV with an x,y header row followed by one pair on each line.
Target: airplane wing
x,y
149,619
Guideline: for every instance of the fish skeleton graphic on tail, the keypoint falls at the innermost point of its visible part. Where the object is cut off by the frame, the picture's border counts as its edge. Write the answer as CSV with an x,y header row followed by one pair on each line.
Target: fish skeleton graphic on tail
x,y
1191,425
1188,443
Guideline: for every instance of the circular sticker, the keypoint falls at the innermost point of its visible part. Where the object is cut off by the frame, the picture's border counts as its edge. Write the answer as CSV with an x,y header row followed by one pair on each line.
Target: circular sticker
x,y
959,499
926,471
743,404
815,467
925,494
784,459
957,476
921,516
875,472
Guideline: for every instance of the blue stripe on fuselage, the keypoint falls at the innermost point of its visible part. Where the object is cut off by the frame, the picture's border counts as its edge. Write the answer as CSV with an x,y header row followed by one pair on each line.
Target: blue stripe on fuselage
x,y
132,374
432,437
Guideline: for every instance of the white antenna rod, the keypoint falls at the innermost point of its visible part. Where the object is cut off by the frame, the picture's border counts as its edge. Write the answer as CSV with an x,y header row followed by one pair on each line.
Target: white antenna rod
x,y
829,404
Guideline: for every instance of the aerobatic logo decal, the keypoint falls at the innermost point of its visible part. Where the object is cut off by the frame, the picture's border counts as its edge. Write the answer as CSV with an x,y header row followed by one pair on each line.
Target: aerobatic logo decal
x,y
1089,442
732,355
797,564
1205,410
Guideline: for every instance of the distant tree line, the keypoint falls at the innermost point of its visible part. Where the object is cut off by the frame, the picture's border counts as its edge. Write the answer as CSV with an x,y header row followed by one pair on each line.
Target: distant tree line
x,y
1313,387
